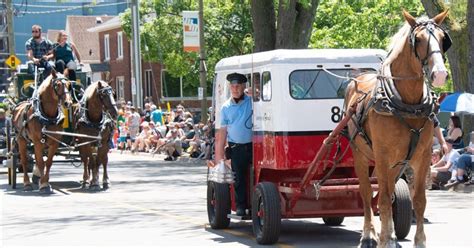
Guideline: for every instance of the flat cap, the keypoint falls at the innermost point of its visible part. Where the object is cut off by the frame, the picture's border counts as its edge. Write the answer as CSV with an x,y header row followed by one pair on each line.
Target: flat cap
x,y
236,78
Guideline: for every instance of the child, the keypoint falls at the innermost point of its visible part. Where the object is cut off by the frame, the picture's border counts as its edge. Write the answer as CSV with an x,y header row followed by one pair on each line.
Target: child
x,y
123,132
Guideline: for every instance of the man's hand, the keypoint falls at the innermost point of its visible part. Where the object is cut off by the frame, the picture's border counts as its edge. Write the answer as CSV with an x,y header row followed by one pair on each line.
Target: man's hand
x,y
36,61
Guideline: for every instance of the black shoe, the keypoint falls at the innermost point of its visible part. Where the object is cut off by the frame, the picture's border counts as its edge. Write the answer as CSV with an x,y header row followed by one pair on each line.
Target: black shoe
x,y
240,212
169,158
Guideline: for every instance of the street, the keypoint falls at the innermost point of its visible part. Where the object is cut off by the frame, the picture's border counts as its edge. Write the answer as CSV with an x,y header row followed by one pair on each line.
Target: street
x,y
157,203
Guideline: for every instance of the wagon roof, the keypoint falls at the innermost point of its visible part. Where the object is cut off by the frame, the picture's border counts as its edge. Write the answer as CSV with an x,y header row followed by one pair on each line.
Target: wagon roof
x,y
302,56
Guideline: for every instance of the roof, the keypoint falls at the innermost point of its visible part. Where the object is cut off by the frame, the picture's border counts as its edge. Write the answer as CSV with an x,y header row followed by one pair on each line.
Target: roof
x,y
302,56
108,25
52,34
86,42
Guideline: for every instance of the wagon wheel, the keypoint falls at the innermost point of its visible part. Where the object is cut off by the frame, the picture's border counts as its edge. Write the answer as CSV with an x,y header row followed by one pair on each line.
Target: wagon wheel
x,y
218,204
266,213
401,209
333,221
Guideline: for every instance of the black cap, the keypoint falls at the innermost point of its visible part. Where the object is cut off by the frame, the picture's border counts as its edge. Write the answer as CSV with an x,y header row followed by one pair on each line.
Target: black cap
x,y
236,78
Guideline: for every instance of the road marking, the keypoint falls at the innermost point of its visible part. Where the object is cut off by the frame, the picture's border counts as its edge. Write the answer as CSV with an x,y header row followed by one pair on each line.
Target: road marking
x,y
194,221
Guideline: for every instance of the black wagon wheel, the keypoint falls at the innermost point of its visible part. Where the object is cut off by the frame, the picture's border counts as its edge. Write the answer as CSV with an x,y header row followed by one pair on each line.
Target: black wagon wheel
x,y
266,213
218,204
333,221
401,209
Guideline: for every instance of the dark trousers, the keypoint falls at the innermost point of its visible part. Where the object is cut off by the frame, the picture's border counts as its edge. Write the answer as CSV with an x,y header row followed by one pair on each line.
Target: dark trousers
x,y
42,64
61,65
241,158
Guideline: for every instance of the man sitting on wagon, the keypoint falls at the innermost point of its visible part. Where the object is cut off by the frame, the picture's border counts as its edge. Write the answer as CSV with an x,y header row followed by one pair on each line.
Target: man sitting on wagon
x,y
39,52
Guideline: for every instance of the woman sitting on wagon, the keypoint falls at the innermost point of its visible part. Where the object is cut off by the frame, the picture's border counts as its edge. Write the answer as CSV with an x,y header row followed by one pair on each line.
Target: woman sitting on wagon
x,y
63,53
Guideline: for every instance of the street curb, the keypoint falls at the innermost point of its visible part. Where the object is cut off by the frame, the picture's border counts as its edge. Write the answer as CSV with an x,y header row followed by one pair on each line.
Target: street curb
x,y
183,158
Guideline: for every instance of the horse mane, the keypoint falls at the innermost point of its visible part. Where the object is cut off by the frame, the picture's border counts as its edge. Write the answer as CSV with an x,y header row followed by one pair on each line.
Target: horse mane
x,y
89,92
395,46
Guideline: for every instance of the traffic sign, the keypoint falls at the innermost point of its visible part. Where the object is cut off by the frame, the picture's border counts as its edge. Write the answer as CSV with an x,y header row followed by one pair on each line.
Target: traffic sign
x,y
12,61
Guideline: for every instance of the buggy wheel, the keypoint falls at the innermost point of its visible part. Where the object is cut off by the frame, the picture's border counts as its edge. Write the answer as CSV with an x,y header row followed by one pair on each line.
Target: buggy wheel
x,y
266,213
13,169
401,209
218,204
333,221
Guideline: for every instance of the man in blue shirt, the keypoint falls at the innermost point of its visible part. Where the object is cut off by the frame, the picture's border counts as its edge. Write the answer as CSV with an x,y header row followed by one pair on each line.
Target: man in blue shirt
x,y
236,128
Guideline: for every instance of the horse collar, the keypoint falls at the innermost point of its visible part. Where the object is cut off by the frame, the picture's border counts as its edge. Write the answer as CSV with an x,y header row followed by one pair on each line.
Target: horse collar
x,y
387,100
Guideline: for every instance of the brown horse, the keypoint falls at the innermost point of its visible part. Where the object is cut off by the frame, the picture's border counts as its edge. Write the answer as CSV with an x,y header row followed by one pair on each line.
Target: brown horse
x,y
42,111
394,125
95,116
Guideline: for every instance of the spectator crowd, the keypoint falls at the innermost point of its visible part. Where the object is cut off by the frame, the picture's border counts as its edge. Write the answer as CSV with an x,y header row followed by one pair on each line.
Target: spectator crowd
x,y
153,130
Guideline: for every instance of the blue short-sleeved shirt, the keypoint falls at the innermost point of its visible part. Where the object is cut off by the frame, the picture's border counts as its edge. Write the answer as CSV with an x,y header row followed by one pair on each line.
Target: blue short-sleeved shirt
x,y
237,117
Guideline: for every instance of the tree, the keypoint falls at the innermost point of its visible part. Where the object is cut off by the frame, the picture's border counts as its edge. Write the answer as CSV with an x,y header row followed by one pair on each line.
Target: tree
x,y
227,32
288,27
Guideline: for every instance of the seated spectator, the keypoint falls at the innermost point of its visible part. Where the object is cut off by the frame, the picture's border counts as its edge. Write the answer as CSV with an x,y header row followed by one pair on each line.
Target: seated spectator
x,y
140,143
153,140
463,165
189,135
172,145
454,132
441,171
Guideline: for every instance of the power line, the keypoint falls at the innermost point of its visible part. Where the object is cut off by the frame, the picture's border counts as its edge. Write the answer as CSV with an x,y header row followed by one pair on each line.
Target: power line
x,y
70,8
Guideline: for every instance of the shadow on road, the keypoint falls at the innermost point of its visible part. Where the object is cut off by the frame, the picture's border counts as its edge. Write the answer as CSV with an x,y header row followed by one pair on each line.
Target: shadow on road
x,y
296,232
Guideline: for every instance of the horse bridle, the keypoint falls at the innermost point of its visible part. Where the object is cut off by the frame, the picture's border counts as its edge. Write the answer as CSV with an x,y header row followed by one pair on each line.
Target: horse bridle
x,y
104,92
430,27
56,85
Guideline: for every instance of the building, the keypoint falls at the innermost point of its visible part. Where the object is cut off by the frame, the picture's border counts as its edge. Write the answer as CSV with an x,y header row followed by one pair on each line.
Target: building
x,y
52,14
115,54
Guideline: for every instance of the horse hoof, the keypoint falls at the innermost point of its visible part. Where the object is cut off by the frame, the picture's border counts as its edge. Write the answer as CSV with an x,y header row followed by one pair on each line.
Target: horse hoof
x,y
35,179
28,187
46,190
85,185
94,188
105,186
368,243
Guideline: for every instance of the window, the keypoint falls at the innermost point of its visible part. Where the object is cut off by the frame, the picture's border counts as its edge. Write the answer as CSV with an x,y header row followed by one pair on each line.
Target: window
x,y
119,85
266,86
319,84
147,90
106,47
119,45
256,87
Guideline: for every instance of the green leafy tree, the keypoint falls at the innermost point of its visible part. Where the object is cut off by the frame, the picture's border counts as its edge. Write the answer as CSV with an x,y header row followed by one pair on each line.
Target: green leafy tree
x,y
227,32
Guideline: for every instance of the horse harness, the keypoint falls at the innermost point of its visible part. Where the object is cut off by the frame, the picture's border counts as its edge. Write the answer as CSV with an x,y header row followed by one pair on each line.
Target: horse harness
x,y
386,100
106,122
38,112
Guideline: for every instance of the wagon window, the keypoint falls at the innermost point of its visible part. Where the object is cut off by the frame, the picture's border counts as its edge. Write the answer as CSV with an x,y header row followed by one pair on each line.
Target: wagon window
x,y
319,84
256,87
266,86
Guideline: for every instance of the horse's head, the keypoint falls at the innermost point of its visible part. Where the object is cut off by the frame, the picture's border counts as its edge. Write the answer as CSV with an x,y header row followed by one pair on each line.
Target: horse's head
x,y
429,42
106,96
62,86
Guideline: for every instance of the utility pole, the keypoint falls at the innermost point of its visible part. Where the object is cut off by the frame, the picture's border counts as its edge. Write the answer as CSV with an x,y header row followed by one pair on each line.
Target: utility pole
x,y
11,33
137,59
202,67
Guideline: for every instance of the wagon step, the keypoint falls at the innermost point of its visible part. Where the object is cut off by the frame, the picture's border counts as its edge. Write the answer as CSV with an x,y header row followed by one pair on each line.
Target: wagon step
x,y
237,217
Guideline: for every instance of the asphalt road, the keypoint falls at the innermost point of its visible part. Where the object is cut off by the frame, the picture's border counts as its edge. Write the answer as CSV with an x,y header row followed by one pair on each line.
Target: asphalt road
x,y
155,203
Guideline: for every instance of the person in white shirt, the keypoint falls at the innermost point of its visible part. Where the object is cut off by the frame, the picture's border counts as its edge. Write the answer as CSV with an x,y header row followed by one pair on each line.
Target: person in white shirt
x,y
442,170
